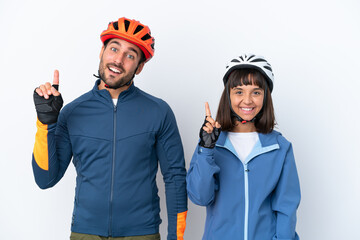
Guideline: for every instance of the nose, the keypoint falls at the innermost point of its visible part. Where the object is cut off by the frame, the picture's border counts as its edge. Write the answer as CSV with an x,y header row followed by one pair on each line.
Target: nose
x,y
247,99
119,59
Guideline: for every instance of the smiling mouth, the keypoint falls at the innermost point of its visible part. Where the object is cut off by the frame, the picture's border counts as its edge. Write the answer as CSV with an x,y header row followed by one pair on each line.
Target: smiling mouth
x,y
247,109
115,70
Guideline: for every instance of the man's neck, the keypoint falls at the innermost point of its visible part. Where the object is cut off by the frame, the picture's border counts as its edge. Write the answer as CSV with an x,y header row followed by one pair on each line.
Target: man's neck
x,y
114,93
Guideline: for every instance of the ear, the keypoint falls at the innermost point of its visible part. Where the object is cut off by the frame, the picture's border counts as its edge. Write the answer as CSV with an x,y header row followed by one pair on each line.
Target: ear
x,y
140,68
101,52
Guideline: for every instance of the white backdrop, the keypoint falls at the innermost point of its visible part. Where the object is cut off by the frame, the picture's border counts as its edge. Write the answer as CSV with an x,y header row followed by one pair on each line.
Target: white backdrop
x,y
313,47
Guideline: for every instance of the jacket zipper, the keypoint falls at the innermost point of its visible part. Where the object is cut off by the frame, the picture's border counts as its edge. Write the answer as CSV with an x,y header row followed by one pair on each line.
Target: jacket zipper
x,y
246,192
112,174
246,188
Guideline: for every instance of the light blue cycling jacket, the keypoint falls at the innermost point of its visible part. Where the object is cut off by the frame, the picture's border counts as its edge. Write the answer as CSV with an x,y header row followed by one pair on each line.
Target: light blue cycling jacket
x,y
254,200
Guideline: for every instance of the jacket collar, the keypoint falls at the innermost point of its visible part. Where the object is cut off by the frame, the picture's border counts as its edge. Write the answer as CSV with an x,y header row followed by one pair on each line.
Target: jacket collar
x,y
265,139
267,142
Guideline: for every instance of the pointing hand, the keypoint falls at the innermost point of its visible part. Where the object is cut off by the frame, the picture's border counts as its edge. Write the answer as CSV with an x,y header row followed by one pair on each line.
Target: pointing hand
x,y
48,101
210,130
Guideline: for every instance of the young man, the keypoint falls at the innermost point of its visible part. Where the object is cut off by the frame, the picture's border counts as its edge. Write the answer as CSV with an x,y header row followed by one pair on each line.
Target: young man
x,y
116,135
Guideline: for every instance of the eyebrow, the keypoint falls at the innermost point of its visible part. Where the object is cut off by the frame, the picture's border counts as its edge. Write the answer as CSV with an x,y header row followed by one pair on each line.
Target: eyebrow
x,y
240,88
130,48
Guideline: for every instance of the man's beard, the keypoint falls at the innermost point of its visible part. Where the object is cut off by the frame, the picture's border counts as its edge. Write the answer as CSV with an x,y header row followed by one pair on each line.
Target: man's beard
x,y
122,81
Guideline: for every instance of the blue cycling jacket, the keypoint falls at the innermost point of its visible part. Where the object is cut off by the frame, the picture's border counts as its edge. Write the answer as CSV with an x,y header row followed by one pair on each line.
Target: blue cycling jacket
x,y
116,151
254,200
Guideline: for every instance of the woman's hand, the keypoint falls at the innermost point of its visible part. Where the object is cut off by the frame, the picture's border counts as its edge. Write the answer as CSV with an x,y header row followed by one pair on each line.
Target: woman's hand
x,y
210,130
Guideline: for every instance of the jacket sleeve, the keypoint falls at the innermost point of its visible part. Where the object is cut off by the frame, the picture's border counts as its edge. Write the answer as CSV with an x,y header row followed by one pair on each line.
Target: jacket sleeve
x,y
52,153
171,158
201,178
286,199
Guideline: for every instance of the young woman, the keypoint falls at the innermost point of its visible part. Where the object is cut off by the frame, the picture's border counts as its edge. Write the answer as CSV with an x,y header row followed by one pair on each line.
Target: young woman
x,y
245,173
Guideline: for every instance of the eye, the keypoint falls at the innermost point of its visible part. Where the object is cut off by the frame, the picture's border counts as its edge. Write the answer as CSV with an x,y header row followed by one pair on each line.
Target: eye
x,y
257,92
130,56
113,49
238,92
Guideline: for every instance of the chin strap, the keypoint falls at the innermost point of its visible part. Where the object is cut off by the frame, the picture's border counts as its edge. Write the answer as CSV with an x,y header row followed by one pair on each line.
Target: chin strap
x,y
97,76
126,84
243,121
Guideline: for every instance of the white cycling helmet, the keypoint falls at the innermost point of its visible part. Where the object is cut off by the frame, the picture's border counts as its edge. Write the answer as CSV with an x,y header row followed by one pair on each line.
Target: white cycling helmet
x,y
251,61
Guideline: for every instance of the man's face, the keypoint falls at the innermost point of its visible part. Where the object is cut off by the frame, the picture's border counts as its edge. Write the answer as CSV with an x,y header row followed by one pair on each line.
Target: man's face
x,y
119,62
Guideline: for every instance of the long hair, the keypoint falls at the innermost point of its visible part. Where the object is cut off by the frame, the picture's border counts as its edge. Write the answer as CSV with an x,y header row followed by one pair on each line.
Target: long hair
x,y
263,124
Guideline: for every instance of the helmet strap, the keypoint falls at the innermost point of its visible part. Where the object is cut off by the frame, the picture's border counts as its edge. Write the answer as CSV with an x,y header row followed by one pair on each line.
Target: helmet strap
x,y
117,87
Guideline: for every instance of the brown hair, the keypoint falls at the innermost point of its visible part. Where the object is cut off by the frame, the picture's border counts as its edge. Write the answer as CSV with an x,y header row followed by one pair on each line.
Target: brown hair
x,y
266,122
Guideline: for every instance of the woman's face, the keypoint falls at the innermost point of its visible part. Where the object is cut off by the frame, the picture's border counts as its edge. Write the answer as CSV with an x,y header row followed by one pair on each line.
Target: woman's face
x,y
247,100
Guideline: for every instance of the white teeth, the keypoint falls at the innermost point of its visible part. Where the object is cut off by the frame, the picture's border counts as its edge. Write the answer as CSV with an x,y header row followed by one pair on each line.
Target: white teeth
x,y
114,70
246,109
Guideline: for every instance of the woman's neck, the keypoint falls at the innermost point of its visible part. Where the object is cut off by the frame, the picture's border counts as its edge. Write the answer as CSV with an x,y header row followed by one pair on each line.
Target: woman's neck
x,y
244,127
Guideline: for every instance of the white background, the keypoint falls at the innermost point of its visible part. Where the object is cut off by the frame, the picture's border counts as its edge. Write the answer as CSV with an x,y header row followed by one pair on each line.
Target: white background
x,y
313,47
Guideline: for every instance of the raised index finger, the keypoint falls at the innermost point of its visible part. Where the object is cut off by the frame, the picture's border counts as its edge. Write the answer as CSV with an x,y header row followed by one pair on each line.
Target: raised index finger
x,y
56,77
207,109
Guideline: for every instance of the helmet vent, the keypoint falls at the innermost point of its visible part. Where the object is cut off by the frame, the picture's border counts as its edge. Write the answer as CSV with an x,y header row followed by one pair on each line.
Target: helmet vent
x,y
235,60
116,25
127,23
251,57
259,60
138,29
146,37
268,68
241,58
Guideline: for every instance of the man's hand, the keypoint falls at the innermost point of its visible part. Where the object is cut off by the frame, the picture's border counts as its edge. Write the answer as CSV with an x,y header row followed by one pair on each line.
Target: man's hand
x,y
210,130
48,101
